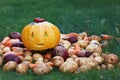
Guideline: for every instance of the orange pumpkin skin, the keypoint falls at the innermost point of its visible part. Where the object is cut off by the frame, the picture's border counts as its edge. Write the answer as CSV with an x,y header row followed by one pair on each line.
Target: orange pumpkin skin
x,y
40,36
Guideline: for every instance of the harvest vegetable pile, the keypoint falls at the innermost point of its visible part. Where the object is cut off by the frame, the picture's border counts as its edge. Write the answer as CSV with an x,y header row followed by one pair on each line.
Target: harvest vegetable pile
x,y
72,52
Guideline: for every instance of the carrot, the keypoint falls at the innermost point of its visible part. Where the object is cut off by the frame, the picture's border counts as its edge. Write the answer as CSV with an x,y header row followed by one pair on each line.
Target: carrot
x,y
73,52
86,38
32,65
11,52
18,54
50,63
8,43
106,37
76,49
5,40
72,34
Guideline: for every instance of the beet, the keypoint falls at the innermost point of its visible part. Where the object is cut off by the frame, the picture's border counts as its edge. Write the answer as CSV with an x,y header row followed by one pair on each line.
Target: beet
x,y
15,35
17,60
11,57
60,51
18,44
72,39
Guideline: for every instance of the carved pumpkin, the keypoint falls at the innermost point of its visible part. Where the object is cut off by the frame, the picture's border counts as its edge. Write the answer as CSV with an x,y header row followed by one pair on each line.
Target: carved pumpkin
x,y
40,35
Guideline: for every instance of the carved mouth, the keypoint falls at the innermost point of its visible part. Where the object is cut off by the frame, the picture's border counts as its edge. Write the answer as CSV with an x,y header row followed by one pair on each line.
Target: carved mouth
x,y
40,44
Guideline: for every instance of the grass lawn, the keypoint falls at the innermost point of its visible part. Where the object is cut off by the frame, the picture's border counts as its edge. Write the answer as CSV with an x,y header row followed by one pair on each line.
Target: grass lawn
x,y
94,16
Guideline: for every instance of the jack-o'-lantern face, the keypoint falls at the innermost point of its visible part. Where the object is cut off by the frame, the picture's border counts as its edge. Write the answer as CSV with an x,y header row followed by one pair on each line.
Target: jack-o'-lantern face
x,y
40,35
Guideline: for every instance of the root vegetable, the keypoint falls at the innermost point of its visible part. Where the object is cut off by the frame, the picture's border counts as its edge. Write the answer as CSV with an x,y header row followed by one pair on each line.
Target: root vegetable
x,y
83,68
99,59
11,42
1,52
84,53
88,61
28,58
82,35
27,53
95,37
110,66
83,43
15,35
103,66
17,50
94,48
60,51
106,37
11,56
1,61
63,37
1,46
18,44
65,43
49,56
6,49
111,59
26,63
5,39
36,56
73,57
93,55
42,68
69,66
40,59
75,49
57,60
11,65
21,69
72,39
98,67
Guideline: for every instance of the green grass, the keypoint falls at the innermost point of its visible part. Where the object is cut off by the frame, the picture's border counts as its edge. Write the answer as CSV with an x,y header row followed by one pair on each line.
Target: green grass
x,y
94,16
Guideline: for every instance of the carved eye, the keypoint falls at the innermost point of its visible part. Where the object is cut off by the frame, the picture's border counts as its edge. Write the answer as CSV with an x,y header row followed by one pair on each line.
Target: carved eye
x,y
32,35
45,34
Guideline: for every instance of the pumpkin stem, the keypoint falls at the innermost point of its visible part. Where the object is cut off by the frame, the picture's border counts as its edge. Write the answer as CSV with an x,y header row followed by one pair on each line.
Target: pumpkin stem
x,y
37,20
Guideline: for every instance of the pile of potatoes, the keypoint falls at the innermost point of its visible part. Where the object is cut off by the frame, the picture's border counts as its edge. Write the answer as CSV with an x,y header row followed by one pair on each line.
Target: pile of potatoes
x,y
75,53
